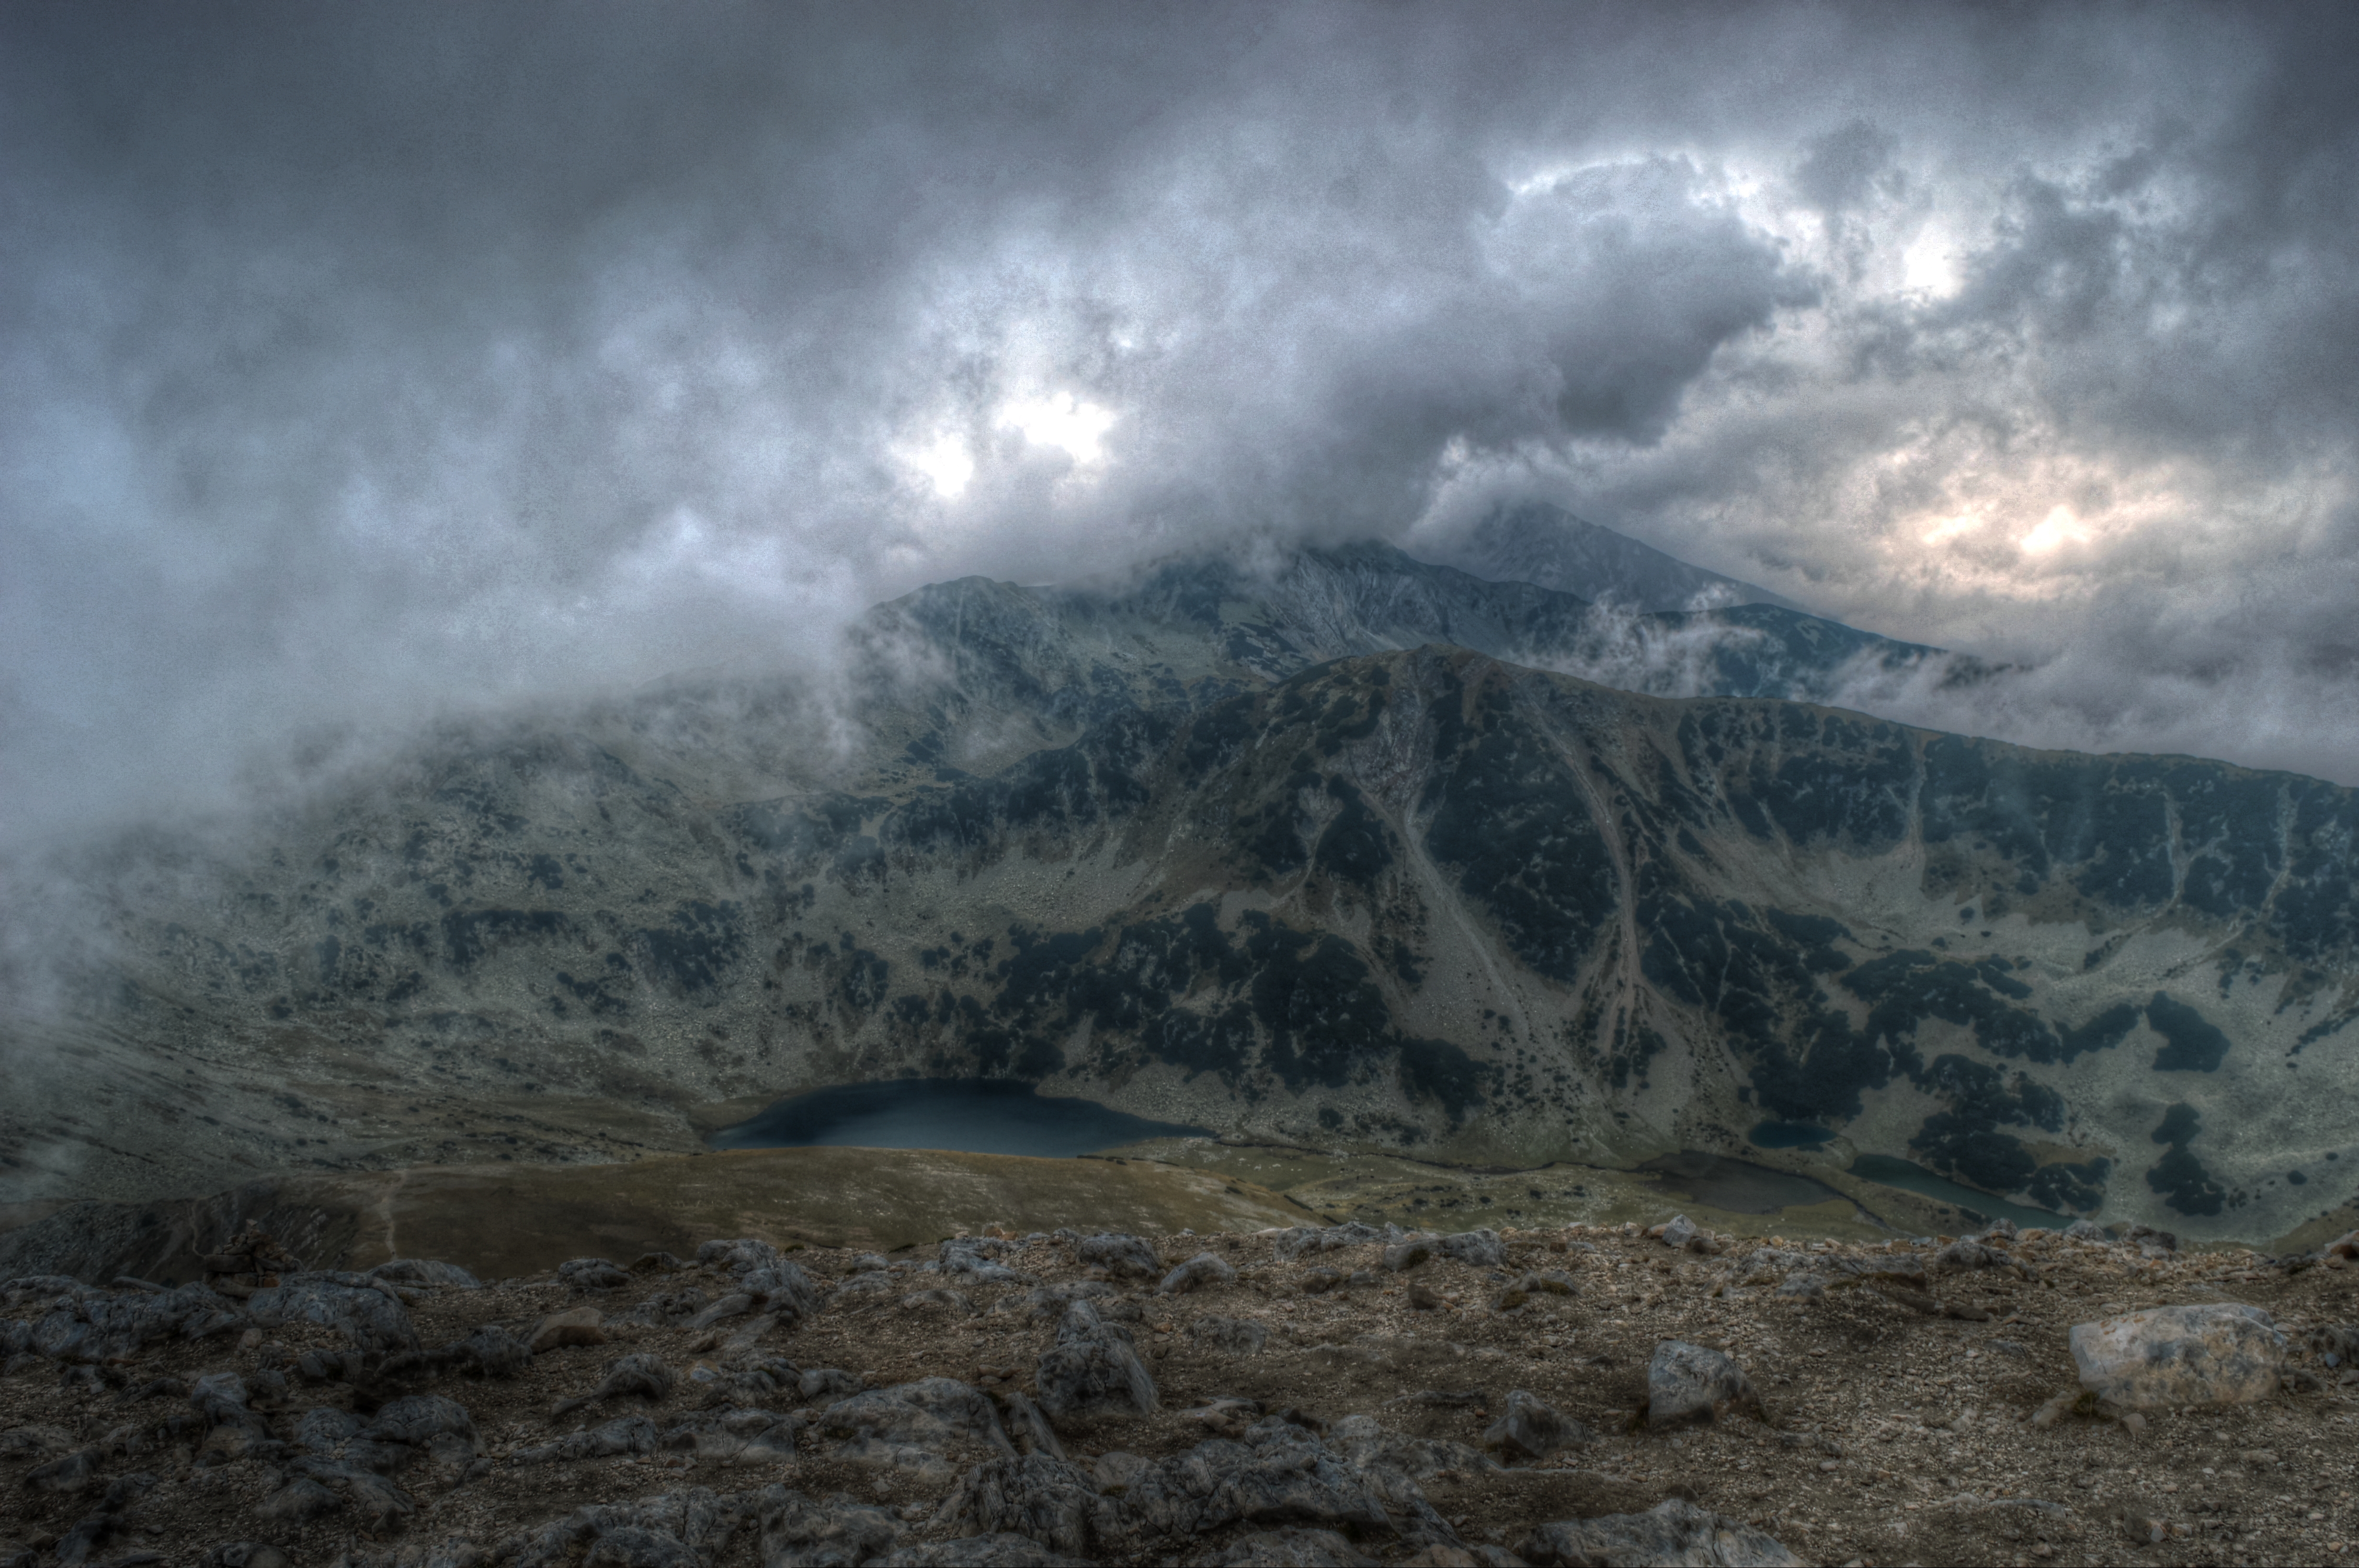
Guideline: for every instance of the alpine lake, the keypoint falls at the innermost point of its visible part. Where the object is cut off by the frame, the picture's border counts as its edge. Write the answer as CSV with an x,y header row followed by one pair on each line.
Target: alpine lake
x,y
1877,1196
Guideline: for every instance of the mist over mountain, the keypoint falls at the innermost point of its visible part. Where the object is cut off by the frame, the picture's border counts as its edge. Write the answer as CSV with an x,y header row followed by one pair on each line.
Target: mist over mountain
x,y
1549,546
1314,849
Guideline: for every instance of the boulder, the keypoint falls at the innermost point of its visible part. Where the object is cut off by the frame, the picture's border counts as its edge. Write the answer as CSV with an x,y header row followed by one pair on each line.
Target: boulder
x,y
736,1257
1231,1335
783,1290
1286,1549
1026,1426
592,1274
1203,1268
978,1552
442,1426
1294,1242
1092,1367
1531,1428
220,1399
736,1303
638,1374
246,1554
1671,1531
325,1429
490,1351
1961,1256
1045,1499
581,1326
828,1383
1124,1257
867,1287
1531,1287
743,1436
914,1425
369,1315
1477,1249
2211,1354
673,1530
1693,1383
634,1546
87,1325
1678,1232
77,1472
377,1499
425,1272
1279,1474
1227,1417
973,1259
803,1533
298,1501
1393,1458
1402,1256
629,1434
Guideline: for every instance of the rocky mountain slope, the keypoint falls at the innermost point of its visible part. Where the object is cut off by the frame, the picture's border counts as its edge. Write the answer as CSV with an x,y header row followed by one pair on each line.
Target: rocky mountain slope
x,y
1273,853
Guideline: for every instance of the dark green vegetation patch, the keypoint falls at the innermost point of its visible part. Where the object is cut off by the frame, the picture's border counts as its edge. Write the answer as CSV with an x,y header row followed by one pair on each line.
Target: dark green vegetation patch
x,y
1268,1005
2178,1176
2190,1042
1965,1142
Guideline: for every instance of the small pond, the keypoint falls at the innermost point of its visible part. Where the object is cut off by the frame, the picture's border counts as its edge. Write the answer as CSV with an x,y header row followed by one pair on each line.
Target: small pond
x,y
974,1116
1735,1185
1979,1206
1787,1135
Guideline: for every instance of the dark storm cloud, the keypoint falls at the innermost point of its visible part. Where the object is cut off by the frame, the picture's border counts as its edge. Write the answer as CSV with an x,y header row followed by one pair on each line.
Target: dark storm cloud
x,y
360,364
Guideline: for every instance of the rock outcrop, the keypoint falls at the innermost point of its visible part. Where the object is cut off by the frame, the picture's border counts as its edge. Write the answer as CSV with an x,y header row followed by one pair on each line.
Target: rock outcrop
x,y
1071,1419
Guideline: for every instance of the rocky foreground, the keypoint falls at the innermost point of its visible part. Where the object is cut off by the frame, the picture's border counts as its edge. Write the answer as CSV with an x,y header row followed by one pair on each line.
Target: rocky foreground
x,y
1581,1395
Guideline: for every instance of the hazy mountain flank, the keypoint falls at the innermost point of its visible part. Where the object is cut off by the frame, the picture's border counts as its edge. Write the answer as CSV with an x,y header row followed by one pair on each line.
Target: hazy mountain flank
x,y
1310,855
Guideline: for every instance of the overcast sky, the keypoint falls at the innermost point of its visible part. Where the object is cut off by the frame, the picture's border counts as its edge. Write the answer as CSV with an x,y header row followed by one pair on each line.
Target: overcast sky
x,y
358,363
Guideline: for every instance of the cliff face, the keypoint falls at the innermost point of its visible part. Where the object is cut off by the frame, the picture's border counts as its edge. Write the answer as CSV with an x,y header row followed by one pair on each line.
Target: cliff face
x,y
1205,851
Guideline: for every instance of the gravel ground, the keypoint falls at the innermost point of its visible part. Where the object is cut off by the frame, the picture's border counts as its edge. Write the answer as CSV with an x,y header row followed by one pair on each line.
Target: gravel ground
x,y
1897,1418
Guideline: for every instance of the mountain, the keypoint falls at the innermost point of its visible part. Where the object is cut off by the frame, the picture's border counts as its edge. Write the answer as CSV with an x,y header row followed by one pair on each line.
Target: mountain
x,y
1195,630
1309,854
1549,546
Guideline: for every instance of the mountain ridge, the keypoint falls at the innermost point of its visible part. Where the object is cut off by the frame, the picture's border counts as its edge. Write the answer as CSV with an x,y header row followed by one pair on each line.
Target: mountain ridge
x,y
1352,906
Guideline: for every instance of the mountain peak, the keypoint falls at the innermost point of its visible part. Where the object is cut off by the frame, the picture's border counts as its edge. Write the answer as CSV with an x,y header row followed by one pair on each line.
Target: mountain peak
x,y
1534,542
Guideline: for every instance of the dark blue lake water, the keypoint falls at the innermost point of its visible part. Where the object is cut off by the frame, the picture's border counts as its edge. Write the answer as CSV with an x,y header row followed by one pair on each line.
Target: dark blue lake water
x,y
1915,1179
1737,1185
977,1116
1787,1135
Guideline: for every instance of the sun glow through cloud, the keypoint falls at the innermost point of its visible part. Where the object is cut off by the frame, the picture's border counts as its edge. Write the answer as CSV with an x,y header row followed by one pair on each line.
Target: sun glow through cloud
x,y
1063,421
946,462
1929,265
2059,527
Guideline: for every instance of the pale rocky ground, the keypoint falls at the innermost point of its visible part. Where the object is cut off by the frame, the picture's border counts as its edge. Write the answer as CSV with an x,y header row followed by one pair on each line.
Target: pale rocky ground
x,y
1899,1419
